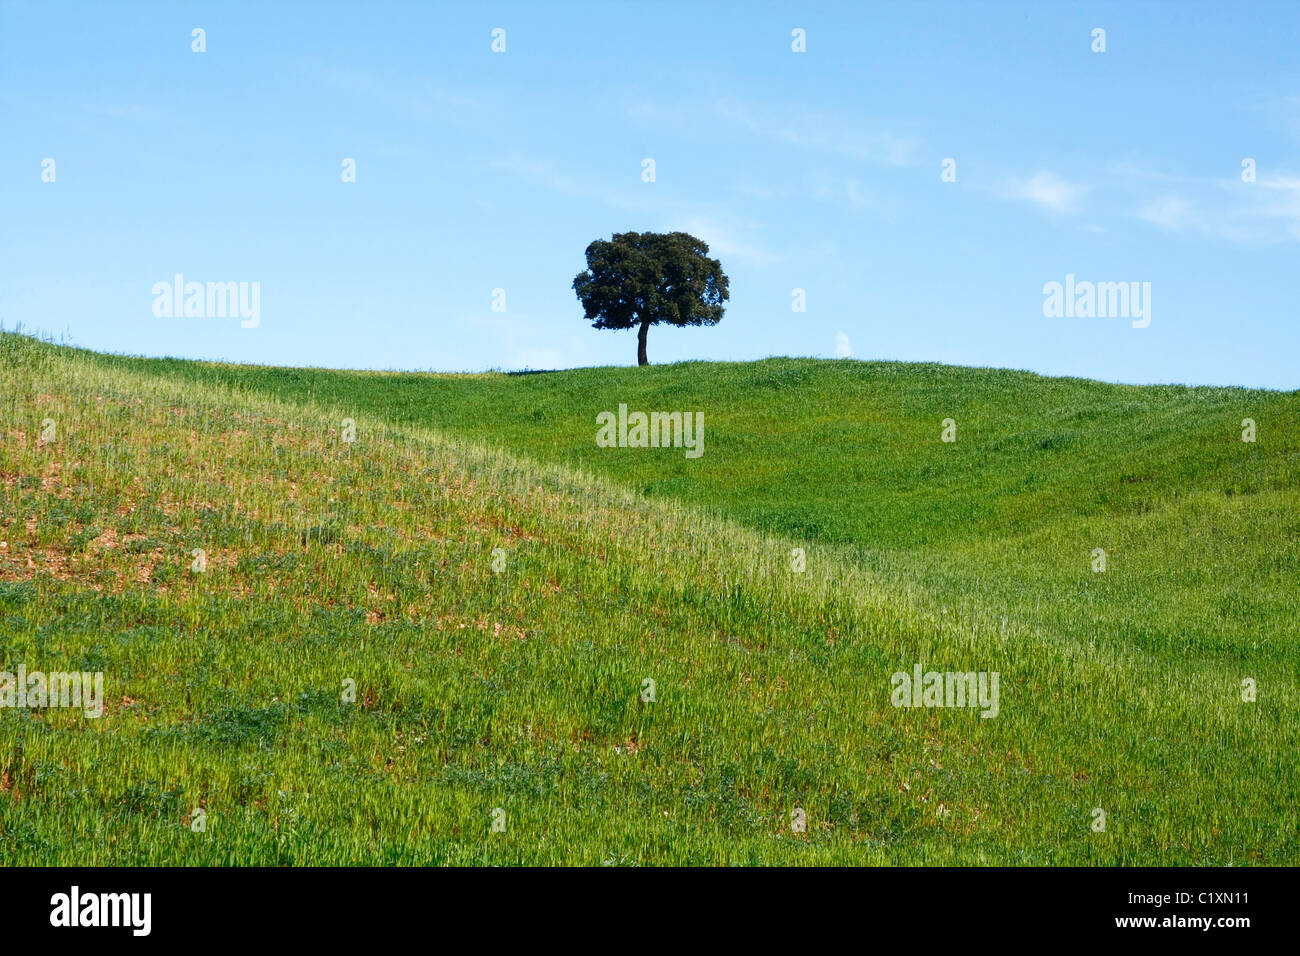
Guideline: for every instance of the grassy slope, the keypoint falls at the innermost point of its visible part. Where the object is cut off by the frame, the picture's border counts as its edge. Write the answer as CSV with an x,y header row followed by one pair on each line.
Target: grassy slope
x,y
1203,526
373,561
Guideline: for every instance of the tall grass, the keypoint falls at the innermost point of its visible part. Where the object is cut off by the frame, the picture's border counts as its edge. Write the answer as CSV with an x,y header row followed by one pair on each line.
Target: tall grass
x,y
522,690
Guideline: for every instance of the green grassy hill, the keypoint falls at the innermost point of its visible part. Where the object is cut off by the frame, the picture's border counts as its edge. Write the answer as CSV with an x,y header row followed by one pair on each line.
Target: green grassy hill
x,y
521,689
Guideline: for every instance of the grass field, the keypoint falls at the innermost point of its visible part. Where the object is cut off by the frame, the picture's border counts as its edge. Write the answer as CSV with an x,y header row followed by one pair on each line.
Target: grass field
x,y
520,690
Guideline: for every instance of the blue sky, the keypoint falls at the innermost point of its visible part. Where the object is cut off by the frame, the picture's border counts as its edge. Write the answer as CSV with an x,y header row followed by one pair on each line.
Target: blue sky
x,y
819,170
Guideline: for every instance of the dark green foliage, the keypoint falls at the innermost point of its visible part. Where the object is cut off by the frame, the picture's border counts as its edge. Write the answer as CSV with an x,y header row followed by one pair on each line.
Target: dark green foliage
x,y
639,279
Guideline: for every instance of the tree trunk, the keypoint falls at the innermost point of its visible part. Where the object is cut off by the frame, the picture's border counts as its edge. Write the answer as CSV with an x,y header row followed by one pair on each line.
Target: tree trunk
x,y
640,343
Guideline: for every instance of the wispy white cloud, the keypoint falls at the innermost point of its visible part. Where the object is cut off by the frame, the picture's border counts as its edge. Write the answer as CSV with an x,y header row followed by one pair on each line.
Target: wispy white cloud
x,y
552,177
1049,191
1169,212
827,187
822,132
724,235
801,128
413,97
727,240
1281,201
126,111
1214,207
639,199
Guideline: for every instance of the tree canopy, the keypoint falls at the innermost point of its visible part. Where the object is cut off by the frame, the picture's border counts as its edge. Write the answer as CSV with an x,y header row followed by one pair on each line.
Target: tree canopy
x,y
639,279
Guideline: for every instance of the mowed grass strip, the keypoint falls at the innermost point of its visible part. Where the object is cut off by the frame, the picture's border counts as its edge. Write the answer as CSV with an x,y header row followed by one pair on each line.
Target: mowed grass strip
x,y
521,690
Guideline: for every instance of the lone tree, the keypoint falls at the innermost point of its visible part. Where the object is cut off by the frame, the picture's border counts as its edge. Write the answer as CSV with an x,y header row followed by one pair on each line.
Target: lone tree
x,y
638,279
